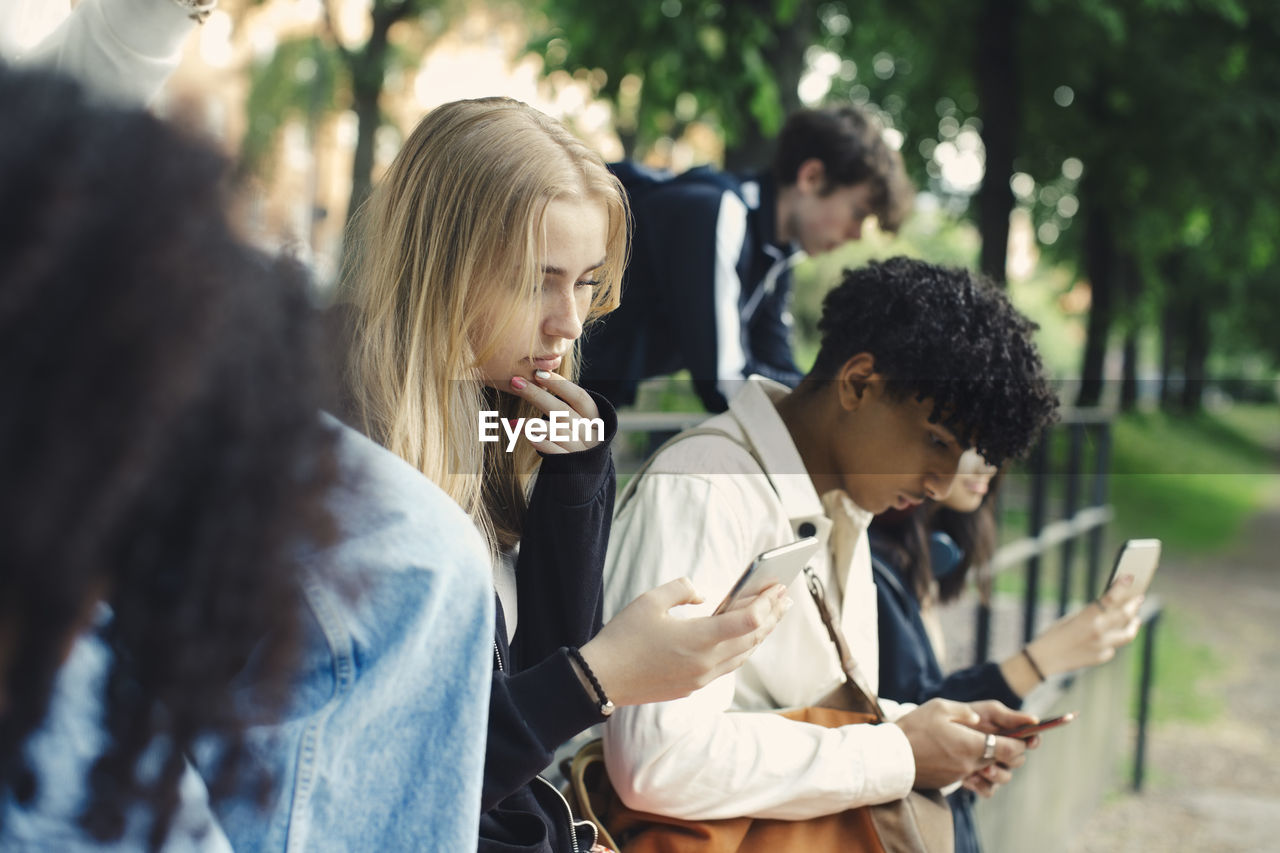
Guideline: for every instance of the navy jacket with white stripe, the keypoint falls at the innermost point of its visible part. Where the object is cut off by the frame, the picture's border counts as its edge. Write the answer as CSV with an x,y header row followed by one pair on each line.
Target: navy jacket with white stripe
x,y
707,289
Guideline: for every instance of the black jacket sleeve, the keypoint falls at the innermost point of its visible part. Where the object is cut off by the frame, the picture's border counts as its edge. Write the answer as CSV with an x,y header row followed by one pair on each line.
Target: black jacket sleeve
x,y
536,701
909,671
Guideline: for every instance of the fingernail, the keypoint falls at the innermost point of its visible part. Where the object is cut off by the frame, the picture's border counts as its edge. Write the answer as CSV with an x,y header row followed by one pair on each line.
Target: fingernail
x,y
542,374
786,604
518,383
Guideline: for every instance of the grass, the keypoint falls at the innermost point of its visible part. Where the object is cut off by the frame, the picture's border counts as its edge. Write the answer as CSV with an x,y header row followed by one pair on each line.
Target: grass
x,y
1182,667
1192,481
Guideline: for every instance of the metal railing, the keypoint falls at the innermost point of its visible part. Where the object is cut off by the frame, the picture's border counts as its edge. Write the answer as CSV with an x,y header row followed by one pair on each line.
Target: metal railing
x,y
1080,466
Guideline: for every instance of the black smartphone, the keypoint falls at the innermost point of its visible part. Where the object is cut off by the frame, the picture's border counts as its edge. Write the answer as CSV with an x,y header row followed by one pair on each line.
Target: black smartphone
x,y
1035,728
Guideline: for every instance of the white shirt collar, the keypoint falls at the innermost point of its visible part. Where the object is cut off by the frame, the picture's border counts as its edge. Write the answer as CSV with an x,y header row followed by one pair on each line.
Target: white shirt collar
x,y
754,408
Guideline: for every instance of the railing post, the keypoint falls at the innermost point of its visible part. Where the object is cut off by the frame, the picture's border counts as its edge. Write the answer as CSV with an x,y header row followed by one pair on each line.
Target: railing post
x,y
1070,505
1101,475
1035,523
1144,698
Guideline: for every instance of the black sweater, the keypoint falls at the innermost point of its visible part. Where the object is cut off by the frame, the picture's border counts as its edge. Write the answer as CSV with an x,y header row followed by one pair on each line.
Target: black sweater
x,y
537,702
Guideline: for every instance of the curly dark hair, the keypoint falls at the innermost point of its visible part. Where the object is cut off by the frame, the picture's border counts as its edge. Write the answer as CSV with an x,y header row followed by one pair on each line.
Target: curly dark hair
x,y
852,148
159,438
946,335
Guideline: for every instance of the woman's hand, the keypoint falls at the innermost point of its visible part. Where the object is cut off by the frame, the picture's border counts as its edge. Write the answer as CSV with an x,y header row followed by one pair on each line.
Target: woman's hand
x,y
644,654
1089,636
552,393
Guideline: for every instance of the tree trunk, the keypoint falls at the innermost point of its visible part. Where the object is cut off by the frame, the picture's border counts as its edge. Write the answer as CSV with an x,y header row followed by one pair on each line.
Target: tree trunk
x,y
1196,354
753,151
1171,339
1131,285
1099,262
368,120
1168,354
998,82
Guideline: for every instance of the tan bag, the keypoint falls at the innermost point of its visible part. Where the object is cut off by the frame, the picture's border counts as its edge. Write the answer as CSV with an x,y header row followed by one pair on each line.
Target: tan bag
x,y
920,822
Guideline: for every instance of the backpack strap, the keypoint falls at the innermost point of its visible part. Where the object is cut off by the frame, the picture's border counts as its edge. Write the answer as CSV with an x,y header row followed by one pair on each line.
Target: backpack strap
x,y
856,682
693,432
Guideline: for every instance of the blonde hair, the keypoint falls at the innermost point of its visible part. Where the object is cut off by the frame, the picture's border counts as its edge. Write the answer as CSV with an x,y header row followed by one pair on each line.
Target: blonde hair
x,y
456,226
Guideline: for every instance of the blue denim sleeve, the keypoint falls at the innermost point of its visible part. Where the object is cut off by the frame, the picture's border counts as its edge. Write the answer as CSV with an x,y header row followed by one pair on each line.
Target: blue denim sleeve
x,y
382,747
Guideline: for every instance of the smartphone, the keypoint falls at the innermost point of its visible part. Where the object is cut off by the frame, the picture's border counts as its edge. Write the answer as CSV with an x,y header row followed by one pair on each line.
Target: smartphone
x,y
1138,559
1035,728
777,565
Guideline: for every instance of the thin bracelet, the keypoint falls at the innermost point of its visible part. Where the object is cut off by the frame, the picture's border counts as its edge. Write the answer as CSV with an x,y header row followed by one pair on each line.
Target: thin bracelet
x,y
606,707
1026,654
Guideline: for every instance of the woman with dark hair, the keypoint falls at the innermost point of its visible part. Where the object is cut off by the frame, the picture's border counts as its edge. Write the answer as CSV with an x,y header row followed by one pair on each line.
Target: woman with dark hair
x,y
188,550
161,456
922,558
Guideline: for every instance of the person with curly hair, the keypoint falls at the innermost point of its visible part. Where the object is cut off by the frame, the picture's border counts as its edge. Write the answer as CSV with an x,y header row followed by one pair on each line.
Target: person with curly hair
x,y
200,573
917,363
709,280
162,457
923,558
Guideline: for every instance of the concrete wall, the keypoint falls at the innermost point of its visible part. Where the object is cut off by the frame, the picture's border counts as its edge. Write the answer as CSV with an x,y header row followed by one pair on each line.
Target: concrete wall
x,y
1077,765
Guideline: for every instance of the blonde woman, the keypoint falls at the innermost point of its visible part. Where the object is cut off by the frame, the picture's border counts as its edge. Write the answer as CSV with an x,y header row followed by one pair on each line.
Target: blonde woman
x,y
494,238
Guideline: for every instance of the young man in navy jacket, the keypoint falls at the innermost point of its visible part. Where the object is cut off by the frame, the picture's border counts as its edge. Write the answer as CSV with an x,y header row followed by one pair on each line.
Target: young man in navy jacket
x,y
708,286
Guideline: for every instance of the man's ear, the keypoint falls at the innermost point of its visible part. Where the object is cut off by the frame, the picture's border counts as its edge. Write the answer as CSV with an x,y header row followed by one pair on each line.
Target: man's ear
x,y
854,380
811,177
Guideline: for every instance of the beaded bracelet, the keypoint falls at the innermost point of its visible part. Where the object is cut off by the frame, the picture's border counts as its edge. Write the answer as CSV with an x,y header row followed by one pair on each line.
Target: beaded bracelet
x,y
606,707
1027,654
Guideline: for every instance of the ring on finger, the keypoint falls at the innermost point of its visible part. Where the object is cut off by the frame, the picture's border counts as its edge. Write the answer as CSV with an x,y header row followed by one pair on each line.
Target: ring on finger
x,y
989,748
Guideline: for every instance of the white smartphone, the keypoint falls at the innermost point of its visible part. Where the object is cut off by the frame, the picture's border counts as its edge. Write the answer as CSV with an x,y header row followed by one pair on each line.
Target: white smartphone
x,y
1138,559
777,565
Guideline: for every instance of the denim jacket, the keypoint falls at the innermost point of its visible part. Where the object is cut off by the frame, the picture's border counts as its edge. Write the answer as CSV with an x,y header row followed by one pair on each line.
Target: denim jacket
x,y
383,745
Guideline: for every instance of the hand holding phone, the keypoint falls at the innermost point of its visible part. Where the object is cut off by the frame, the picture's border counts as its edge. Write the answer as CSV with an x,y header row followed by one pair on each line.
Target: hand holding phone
x,y
775,566
1030,729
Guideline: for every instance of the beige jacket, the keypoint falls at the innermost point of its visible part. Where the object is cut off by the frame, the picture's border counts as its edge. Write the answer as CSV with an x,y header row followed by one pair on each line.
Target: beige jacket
x,y
704,509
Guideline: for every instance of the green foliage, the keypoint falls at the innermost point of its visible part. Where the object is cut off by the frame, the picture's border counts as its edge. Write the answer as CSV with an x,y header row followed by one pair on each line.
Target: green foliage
x,y
725,54
299,80
942,239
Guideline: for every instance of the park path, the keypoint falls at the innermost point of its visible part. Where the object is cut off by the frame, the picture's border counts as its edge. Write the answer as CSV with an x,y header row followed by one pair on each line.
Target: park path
x,y
1214,787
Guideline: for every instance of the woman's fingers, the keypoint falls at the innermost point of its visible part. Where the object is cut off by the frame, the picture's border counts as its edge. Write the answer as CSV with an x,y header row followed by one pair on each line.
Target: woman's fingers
x,y
571,393
552,393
